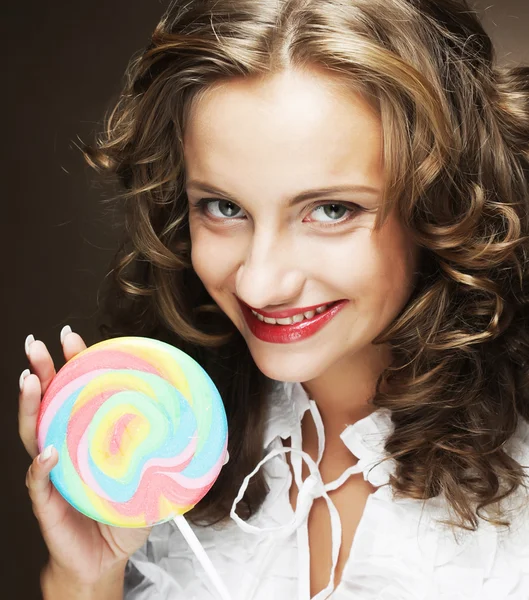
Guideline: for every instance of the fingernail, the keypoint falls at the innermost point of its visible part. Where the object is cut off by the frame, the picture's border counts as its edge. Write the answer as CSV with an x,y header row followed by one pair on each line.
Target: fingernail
x,y
45,454
23,376
64,332
29,340
226,458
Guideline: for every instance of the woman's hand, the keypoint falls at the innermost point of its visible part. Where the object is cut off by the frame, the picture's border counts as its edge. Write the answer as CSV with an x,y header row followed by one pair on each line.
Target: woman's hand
x,y
81,549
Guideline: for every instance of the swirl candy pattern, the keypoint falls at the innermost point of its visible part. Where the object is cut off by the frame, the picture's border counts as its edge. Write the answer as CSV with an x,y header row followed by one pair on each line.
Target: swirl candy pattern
x,y
140,429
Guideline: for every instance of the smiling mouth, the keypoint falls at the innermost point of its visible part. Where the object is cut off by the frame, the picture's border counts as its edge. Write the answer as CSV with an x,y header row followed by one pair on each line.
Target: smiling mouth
x,y
282,331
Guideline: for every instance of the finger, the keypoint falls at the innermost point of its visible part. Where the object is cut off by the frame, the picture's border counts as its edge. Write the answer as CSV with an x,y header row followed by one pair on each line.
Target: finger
x,y
72,343
38,481
41,363
28,410
49,506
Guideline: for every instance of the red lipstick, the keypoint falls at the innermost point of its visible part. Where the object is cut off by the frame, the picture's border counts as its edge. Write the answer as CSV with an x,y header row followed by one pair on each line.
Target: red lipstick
x,y
284,334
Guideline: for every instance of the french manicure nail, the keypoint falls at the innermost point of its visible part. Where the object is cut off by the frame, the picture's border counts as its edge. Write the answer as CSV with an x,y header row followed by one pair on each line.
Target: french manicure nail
x,y
29,340
46,453
64,332
23,376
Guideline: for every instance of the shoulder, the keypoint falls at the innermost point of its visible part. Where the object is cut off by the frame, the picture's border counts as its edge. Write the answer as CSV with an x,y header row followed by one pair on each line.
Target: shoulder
x,y
500,555
403,550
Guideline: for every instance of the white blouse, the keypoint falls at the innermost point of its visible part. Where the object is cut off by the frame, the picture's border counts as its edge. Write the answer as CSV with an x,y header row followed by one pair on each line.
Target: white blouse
x,y
399,550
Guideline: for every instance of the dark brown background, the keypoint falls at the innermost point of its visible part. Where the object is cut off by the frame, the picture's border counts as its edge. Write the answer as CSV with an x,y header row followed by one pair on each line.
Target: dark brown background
x,y
62,63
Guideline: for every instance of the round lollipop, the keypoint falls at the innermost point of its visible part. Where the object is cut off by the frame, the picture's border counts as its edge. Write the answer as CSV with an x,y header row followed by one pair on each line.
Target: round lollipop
x,y
140,429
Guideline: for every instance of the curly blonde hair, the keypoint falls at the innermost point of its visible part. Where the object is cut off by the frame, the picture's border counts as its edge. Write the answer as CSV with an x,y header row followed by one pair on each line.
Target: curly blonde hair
x,y
456,152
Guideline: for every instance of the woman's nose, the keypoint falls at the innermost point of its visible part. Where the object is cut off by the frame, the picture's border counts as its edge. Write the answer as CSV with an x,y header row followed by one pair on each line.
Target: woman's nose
x,y
270,274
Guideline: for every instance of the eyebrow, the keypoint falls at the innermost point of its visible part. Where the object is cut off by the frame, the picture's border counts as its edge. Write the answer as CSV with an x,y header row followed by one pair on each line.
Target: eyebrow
x,y
301,197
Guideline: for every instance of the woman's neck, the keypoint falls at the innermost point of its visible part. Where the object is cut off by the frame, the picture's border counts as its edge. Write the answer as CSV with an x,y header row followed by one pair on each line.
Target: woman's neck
x,y
342,395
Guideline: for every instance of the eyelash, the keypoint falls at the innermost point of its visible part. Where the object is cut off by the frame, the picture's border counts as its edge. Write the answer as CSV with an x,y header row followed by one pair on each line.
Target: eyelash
x,y
352,208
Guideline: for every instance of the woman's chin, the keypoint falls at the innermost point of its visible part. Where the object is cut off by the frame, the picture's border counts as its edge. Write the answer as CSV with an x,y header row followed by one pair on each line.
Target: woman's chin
x,y
282,369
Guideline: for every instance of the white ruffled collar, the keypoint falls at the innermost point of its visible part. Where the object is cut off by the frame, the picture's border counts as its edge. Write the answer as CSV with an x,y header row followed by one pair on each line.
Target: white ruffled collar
x,y
365,438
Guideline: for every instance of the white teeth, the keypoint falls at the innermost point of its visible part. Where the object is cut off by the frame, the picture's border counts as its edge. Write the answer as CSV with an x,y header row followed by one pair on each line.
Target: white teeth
x,y
291,320
285,321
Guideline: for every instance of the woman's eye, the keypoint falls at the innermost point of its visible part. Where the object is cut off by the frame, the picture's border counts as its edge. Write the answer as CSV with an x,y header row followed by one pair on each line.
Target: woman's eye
x,y
225,208
335,212
332,212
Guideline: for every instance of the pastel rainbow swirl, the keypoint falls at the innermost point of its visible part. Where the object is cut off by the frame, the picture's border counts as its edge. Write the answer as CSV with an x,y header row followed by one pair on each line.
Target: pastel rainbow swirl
x,y
140,429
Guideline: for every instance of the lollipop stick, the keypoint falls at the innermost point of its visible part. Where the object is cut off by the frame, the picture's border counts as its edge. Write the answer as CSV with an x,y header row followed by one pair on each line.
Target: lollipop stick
x,y
200,553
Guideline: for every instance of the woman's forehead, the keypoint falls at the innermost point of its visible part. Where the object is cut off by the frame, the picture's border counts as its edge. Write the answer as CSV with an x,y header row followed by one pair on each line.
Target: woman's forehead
x,y
295,124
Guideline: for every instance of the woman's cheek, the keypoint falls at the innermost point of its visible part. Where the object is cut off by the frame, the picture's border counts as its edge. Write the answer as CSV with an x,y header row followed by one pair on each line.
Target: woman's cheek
x,y
212,257
203,259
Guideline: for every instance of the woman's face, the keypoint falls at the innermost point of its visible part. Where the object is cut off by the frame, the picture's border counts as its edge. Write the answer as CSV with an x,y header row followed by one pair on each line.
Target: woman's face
x,y
260,144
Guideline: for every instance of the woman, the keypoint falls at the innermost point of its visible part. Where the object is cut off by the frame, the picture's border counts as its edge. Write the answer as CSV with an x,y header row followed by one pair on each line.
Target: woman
x,y
369,341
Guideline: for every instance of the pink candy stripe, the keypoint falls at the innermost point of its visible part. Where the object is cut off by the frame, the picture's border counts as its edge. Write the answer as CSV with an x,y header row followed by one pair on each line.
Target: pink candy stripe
x,y
118,431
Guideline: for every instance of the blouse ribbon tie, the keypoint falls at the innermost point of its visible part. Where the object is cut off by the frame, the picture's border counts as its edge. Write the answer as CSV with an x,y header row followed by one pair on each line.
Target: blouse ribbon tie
x,y
308,490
